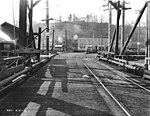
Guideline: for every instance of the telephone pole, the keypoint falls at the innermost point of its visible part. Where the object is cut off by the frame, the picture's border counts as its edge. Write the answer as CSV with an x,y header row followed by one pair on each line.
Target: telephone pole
x,y
123,23
47,24
66,39
117,28
110,22
23,23
109,26
53,39
138,42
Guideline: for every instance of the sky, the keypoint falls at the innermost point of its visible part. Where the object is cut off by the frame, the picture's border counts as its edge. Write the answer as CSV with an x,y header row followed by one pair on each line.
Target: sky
x,y
9,9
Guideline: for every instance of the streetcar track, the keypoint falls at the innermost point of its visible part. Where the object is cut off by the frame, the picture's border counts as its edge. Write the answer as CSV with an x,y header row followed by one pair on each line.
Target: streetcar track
x,y
126,77
124,103
124,93
105,88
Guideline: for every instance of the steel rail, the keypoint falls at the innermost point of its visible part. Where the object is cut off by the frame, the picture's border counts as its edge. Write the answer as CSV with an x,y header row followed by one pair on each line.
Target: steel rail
x,y
130,65
121,75
119,104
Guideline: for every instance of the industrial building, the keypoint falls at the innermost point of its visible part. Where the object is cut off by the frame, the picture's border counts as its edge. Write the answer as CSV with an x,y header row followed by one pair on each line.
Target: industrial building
x,y
96,43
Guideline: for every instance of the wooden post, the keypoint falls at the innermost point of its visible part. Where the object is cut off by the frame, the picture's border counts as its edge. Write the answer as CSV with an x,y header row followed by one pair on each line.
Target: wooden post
x,y
109,27
39,42
31,42
23,23
117,29
53,39
2,63
47,24
148,37
39,39
66,39
123,23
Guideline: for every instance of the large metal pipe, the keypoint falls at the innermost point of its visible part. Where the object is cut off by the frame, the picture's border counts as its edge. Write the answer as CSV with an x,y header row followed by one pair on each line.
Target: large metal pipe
x,y
8,80
14,58
140,70
34,67
17,80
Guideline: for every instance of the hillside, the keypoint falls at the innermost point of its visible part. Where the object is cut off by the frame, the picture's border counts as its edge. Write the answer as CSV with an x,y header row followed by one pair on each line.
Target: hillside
x,y
83,29
86,29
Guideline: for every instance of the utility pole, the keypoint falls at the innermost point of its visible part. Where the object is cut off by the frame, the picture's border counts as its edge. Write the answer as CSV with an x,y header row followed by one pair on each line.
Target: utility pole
x,y
39,39
39,42
23,23
53,39
148,38
123,23
109,26
47,24
30,41
117,29
66,39
110,22
138,41
93,39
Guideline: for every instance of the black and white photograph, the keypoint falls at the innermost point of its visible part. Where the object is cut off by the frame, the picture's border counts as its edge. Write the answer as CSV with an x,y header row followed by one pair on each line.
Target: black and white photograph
x,y
74,57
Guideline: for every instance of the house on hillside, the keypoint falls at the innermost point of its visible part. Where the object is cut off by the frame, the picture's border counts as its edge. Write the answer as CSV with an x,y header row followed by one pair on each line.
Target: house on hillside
x,y
96,43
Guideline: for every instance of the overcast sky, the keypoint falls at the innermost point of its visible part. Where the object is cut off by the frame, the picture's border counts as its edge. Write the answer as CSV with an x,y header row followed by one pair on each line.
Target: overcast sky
x,y
65,7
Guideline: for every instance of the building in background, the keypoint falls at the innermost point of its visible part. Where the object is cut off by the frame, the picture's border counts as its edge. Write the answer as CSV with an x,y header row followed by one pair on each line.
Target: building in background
x,y
95,43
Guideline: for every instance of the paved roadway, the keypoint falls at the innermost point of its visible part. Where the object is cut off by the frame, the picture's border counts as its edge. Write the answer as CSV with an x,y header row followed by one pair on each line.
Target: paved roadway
x,y
60,88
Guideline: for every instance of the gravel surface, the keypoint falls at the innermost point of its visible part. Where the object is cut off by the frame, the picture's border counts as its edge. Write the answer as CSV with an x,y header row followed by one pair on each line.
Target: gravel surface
x,y
136,100
60,88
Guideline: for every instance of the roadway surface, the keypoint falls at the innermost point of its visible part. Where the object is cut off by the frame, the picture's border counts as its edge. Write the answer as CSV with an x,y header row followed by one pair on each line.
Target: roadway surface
x,y
64,87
